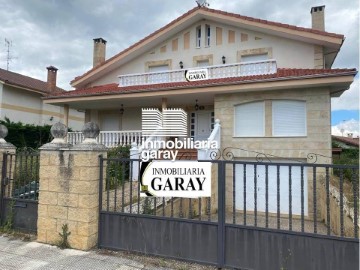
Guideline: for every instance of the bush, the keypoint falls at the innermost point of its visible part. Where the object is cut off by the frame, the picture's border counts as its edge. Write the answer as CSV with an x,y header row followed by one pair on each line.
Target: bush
x,y
25,135
118,171
348,157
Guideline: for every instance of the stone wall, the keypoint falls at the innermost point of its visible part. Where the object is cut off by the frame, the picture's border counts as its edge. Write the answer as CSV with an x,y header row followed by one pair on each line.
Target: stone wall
x,y
69,194
317,140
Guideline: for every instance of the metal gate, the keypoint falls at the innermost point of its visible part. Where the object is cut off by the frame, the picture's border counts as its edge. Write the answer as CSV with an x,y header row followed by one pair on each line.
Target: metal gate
x,y
19,190
236,227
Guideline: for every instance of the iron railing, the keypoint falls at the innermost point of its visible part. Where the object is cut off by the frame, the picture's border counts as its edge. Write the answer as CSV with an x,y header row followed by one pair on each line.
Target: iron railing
x,y
298,197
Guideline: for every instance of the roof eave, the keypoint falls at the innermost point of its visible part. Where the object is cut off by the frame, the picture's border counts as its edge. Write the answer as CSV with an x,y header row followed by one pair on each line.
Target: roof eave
x,y
334,91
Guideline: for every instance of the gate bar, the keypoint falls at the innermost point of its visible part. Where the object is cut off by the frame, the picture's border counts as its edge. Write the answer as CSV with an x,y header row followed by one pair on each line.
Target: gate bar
x,y
101,161
221,214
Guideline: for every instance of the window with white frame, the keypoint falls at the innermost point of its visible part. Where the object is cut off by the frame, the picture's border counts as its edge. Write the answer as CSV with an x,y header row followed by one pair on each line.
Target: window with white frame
x,y
288,118
208,33
254,57
198,37
249,120
159,74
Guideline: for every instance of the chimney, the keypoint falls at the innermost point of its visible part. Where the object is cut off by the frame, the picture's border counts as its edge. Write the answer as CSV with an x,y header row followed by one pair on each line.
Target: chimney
x,y
51,78
99,51
318,18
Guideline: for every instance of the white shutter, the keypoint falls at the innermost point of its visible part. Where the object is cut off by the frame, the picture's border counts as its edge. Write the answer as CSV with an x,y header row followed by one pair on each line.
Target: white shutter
x,y
249,120
159,75
158,68
254,57
289,118
203,63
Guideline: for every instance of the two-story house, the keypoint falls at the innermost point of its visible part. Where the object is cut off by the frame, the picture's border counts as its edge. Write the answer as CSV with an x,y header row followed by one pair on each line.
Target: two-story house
x,y
21,100
269,84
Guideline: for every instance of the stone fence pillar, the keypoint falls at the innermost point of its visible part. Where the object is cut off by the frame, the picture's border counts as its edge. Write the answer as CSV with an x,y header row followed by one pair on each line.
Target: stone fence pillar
x,y
69,188
5,147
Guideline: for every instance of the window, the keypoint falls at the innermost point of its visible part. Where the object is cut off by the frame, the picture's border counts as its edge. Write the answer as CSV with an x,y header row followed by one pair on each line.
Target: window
x,y
160,75
288,118
254,57
158,68
249,120
202,63
208,33
198,37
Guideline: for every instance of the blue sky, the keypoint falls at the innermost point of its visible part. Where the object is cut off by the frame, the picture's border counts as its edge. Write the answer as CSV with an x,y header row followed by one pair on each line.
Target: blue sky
x,y
343,115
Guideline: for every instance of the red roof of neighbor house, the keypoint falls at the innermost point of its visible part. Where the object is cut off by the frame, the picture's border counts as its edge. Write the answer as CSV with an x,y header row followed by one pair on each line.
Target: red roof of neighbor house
x,y
282,74
214,11
16,79
347,140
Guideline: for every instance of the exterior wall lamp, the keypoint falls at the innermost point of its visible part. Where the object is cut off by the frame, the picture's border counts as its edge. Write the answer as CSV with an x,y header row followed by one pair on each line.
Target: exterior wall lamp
x,y
223,59
122,109
181,64
196,105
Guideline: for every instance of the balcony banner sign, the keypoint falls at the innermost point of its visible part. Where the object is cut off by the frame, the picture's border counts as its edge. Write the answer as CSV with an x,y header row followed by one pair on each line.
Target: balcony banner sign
x,y
196,75
164,178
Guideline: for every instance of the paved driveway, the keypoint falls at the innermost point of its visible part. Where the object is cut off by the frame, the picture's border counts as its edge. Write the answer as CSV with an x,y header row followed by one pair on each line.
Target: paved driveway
x,y
16,254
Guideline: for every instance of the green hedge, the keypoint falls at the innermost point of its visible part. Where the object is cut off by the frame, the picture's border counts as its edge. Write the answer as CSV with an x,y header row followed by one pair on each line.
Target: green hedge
x,y
348,157
25,135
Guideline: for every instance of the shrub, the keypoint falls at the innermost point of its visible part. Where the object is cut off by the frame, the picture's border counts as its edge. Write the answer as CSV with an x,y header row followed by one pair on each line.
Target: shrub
x,y
348,157
25,135
118,171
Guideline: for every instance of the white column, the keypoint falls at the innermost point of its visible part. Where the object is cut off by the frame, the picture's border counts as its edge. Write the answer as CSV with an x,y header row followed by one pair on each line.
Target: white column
x,y
135,165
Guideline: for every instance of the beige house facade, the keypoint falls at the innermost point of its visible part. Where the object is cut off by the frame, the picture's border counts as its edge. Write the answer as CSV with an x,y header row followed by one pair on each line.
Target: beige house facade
x,y
269,84
21,100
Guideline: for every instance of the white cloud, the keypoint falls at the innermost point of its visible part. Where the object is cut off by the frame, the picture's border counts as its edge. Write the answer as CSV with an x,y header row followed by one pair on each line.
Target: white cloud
x,y
60,33
342,129
349,100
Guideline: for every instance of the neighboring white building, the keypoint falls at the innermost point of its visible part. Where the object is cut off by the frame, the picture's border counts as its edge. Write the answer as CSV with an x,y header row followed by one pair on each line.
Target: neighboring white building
x,y
21,100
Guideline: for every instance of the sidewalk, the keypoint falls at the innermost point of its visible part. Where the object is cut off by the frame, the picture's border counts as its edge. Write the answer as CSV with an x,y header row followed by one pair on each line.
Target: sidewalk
x,y
16,254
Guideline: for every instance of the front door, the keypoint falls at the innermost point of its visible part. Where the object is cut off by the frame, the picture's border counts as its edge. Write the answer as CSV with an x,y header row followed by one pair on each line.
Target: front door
x,y
203,125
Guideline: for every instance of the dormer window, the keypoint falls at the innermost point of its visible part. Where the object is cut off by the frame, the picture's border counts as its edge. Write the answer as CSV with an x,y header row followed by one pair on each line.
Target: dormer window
x,y
198,36
208,33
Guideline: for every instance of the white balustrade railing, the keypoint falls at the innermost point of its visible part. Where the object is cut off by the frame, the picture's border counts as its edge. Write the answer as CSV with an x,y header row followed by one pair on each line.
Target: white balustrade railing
x,y
109,138
210,153
215,72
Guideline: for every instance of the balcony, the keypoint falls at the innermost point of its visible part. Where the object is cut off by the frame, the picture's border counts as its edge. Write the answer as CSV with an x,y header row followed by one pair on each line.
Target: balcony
x,y
214,72
109,138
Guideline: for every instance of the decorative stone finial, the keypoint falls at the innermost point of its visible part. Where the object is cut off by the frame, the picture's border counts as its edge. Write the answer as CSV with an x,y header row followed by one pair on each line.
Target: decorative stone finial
x,y
3,133
59,132
90,131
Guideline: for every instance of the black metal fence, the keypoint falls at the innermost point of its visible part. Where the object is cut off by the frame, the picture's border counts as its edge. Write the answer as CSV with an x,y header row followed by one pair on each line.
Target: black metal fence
x,y
287,214
20,190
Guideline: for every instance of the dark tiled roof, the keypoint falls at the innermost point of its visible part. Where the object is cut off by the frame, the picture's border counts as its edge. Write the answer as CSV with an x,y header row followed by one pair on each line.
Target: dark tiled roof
x,y
347,140
214,11
20,80
282,74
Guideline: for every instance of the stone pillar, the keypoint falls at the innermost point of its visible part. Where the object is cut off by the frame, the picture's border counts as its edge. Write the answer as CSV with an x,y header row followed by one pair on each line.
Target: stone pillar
x,y
5,147
69,189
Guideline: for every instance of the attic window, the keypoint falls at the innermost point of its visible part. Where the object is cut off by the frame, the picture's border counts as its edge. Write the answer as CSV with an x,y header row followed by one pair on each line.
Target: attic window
x,y
198,37
208,33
